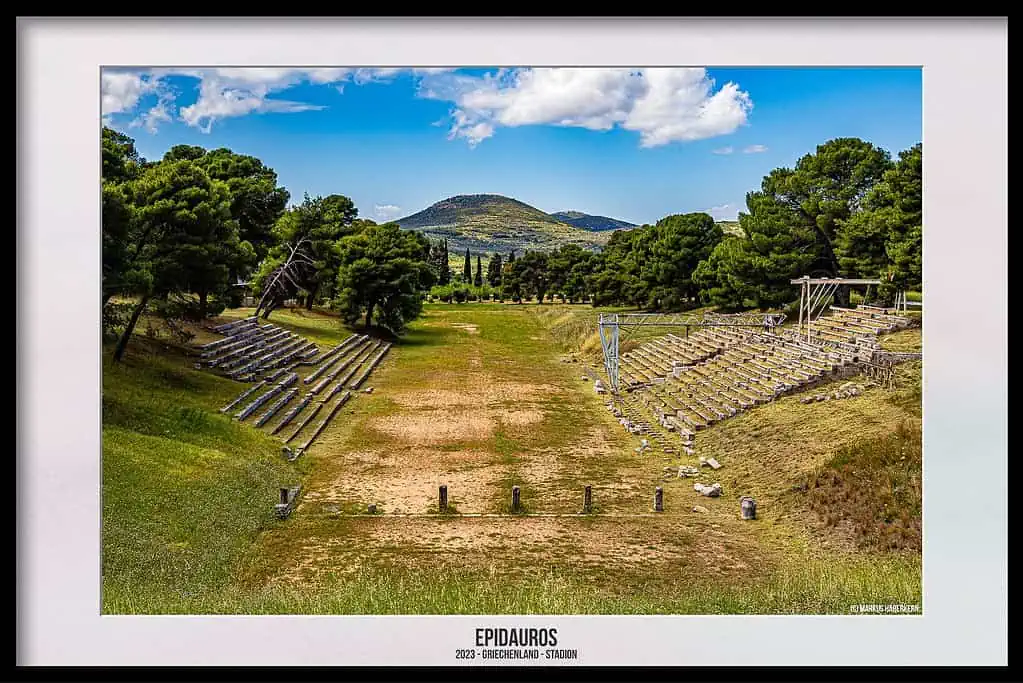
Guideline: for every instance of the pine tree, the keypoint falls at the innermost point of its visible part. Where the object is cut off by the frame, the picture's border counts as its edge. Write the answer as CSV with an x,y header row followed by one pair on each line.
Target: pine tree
x,y
467,267
494,271
478,280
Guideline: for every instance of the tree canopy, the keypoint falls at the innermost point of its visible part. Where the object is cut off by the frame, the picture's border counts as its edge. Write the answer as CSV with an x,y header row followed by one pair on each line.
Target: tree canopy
x,y
179,238
384,271
256,200
321,221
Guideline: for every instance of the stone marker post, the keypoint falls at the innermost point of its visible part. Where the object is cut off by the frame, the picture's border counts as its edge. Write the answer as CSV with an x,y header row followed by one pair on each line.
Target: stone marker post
x,y
587,500
748,507
659,500
443,503
515,499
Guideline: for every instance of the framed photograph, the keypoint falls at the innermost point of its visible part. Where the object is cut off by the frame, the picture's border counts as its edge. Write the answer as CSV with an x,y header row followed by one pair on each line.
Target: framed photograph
x,y
519,342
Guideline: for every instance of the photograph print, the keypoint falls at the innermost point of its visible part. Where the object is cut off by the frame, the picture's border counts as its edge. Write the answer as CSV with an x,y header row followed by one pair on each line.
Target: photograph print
x,y
511,340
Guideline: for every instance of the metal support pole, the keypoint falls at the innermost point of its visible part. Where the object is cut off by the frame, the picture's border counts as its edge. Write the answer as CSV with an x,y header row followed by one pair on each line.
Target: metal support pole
x,y
802,295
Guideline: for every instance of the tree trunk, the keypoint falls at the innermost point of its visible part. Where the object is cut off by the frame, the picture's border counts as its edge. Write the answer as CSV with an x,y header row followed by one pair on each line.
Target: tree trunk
x,y
274,303
310,298
122,343
369,316
203,305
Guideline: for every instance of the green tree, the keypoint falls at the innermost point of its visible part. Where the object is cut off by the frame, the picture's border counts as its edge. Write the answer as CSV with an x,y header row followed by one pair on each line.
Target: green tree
x,y
795,223
719,279
884,239
467,268
615,277
121,161
445,266
174,240
118,217
677,245
568,267
322,221
121,164
511,279
478,279
532,274
185,152
256,200
494,271
439,261
384,271
576,286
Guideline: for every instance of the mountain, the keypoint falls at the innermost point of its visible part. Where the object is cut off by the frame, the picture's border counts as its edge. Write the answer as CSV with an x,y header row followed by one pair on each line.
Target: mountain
x,y
491,222
730,227
592,223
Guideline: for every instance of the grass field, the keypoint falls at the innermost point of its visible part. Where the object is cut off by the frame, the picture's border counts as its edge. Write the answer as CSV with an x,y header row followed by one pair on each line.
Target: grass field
x,y
478,397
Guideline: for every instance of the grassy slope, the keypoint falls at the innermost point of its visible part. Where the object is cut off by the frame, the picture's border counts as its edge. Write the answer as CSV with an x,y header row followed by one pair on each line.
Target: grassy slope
x,y
186,492
185,489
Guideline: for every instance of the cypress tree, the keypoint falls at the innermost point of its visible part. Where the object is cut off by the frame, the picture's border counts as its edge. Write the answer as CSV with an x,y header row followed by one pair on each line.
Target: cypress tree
x,y
445,268
467,267
478,280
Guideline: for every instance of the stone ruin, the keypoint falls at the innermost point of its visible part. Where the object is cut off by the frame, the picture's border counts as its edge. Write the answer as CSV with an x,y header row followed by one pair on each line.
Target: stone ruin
x,y
674,387
271,357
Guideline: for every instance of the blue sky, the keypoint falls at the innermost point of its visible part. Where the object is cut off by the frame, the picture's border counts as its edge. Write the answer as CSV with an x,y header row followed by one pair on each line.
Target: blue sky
x,y
635,144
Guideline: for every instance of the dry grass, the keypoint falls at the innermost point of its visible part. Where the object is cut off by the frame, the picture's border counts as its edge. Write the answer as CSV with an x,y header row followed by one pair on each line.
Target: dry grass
x,y
871,491
484,410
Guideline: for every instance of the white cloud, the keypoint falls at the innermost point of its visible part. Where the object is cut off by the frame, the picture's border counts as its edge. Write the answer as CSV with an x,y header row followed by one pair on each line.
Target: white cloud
x,y
723,150
229,92
387,211
663,105
120,91
157,114
754,149
725,212
225,93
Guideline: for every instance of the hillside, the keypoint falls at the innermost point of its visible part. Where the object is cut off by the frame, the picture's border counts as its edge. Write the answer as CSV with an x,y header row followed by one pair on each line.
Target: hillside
x,y
730,227
488,222
592,223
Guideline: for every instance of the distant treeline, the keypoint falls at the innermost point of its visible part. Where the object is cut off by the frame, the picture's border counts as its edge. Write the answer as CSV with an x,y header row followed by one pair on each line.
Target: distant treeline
x,y
194,232
847,210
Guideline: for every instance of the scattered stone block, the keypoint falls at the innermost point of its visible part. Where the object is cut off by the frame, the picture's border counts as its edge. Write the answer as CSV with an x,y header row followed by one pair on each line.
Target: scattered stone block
x,y
700,509
368,390
714,464
711,491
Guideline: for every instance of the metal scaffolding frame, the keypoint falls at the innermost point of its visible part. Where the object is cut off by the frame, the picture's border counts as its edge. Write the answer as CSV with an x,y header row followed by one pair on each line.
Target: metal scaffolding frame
x,y
815,295
616,327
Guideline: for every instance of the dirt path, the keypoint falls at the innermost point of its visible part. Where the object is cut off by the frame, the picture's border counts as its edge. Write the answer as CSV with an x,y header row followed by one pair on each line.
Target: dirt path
x,y
476,399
